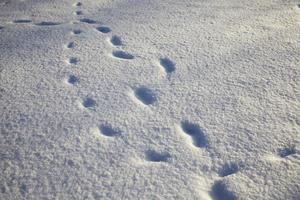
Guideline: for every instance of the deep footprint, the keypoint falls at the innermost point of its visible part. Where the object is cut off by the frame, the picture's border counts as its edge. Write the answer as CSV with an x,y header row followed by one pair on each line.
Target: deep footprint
x,y
287,151
47,24
21,21
89,103
116,41
154,156
122,55
73,79
78,4
219,191
77,32
167,64
79,12
109,131
71,45
228,169
145,95
195,132
73,60
103,29
88,21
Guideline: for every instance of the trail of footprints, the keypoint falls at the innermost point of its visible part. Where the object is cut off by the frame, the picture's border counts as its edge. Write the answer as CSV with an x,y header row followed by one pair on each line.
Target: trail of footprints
x,y
194,134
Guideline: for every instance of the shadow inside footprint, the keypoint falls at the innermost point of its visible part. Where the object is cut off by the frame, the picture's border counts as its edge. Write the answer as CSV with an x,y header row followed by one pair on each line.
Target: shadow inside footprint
x,y
71,45
287,151
47,24
167,64
79,12
109,131
88,21
22,21
228,169
197,135
77,32
103,29
145,95
73,79
89,102
219,191
23,190
73,60
154,156
78,4
115,40
122,55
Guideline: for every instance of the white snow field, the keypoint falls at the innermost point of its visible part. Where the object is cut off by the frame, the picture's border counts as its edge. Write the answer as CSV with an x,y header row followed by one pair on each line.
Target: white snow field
x,y
150,99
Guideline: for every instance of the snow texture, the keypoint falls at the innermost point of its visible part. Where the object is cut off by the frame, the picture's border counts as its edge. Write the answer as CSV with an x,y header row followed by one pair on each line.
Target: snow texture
x,y
140,99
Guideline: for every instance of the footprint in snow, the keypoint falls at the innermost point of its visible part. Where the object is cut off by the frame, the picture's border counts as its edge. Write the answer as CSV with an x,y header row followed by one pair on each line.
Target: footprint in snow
x,y
103,29
108,131
78,4
89,103
115,40
79,12
122,55
219,191
73,60
154,156
47,24
167,65
22,21
72,80
145,95
195,133
287,151
88,21
77,31
228,169
70,45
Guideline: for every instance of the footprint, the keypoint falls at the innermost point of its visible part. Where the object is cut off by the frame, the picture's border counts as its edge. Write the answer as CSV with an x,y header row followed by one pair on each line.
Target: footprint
x,y
22,21
70,163
116,40
78,4
108,130
73,60
103,29
47,24
79,12
23,190
167,64
287,151
88,21
228,169
71,45
89,103
195,132
145,95
154,156
122,55
219,191
76,32
73,79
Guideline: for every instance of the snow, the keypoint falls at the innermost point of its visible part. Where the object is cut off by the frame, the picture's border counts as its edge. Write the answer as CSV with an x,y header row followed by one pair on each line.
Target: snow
x,y
137,99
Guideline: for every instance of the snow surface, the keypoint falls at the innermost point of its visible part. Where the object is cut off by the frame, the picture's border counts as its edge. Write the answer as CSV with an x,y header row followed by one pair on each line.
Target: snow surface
x,y
150,99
